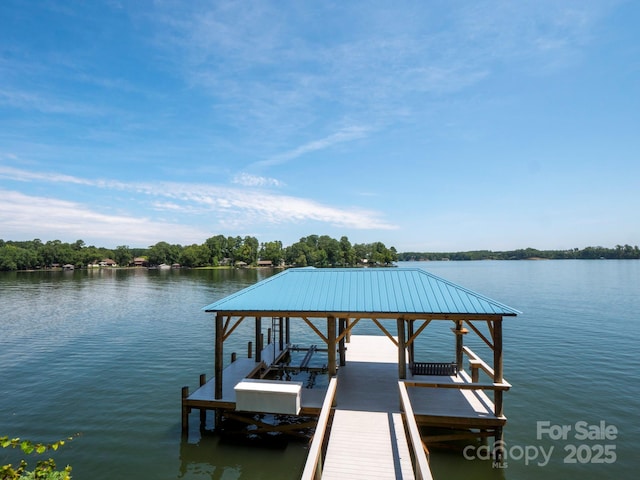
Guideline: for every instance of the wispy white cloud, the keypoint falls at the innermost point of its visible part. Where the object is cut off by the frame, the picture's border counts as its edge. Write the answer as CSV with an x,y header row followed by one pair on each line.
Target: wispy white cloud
x,y
249,180
26,100
342,136
245,205
22,175
225,205
264,207
538,36
25,216
268,74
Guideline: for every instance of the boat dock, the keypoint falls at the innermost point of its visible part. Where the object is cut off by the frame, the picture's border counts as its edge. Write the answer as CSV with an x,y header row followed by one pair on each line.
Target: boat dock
x,y
376,415
203,398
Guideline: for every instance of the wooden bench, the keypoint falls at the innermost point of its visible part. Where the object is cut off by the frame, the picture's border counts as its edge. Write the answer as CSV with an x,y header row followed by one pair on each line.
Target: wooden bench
x,y
426,368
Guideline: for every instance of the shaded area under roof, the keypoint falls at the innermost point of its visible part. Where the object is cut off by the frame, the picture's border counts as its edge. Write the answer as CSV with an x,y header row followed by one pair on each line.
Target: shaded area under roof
x,y
373,291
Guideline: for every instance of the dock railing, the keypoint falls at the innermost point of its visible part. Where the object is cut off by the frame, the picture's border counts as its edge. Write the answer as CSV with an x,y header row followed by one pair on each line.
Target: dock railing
x,y
476,364
313,466
417,448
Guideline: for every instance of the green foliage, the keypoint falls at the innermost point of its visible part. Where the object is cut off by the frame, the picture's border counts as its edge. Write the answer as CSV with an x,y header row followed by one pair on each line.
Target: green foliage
x,y
272,251
122,255
44,469
162,252
324,251
246,250
195,256
589,253
314,250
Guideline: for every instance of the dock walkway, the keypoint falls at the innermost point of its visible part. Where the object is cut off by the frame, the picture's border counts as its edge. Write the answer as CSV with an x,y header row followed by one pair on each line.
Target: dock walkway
x,y
367,439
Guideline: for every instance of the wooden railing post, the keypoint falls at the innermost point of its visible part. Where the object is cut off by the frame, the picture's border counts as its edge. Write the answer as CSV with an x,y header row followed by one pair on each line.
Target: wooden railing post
x,y
475,370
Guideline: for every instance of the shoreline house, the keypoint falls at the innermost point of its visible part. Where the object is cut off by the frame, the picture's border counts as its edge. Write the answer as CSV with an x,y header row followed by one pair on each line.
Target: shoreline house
x,y
140,262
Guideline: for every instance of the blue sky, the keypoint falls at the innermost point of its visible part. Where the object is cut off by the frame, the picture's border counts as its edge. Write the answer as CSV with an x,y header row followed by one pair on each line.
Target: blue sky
x,y
429,126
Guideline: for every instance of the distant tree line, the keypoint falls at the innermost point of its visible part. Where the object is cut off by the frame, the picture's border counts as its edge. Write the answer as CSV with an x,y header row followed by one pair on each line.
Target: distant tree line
x,y
314,250
588,253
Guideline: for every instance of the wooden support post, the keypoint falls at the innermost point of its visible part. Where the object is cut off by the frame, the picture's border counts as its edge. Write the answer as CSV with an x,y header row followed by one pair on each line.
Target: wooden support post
x,y
203,412
280,334
219,364
459,344
412,346
331,346
497,364
218,419
497,378
402,360
287,338
185,411
258,340
498,446
249,349
348,335
341,347
269,336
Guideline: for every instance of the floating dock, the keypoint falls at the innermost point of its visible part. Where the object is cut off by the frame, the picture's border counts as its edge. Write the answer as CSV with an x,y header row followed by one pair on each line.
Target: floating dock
x,y
367,422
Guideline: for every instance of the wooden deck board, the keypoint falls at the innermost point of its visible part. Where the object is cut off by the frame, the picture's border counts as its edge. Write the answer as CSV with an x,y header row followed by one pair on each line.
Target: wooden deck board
x,y
436,405
233,373
311,399
367,439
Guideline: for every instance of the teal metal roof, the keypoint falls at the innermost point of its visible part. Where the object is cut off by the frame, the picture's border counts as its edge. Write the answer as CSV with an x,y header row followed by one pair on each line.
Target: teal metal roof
x,y
375,291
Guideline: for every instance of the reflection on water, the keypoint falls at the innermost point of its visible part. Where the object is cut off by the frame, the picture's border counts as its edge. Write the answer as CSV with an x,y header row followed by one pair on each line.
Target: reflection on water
x,y
212,458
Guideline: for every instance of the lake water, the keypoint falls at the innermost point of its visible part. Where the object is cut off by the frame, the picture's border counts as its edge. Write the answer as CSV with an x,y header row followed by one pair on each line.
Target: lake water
x,y
103,354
